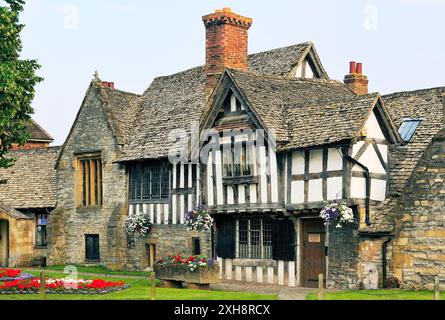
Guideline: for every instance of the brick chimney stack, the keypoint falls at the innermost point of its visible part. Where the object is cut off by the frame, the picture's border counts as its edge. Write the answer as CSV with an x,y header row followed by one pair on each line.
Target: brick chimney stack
x,y
355,80
226,44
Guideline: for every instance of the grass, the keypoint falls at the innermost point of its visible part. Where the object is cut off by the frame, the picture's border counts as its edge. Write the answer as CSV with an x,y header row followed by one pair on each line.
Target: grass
x,y
140,290
377,295
97,270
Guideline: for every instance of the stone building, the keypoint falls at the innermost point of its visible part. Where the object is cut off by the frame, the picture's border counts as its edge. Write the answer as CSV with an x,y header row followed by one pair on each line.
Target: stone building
x,y
264,142
26,200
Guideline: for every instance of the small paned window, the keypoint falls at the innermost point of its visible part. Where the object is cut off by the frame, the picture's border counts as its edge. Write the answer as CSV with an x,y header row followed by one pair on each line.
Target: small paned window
x,y
149,182
238,160
409,128
254,239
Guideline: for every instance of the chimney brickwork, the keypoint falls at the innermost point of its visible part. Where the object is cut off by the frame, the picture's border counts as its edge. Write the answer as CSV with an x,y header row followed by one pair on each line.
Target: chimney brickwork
x,y
355,80
226,44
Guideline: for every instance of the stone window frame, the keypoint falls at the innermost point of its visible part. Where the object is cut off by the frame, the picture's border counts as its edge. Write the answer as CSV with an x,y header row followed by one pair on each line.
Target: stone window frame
x,y
85,198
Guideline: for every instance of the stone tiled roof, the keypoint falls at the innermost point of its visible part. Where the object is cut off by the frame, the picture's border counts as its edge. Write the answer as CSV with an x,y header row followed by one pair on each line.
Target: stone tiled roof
x,y
328,122
37,133
171,101
427,105
121,108
281,61
31,182
277,99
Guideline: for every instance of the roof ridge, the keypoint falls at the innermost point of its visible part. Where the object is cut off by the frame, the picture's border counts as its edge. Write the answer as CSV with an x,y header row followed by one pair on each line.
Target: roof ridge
x,y
410,92
307,43
122,91
285,78
332,101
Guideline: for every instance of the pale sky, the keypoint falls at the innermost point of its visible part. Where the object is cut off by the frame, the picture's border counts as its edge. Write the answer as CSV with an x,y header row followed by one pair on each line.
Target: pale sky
x,y
400,43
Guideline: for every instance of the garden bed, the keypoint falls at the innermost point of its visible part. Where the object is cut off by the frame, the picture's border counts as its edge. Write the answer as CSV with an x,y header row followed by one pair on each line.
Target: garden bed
x,y
15,282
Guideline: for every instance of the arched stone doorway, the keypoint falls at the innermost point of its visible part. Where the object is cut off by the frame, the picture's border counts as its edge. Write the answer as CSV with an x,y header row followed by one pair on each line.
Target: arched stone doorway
x,y
4,243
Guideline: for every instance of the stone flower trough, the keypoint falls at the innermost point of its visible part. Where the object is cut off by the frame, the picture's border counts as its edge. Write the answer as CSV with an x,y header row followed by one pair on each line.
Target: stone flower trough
x,y
174,276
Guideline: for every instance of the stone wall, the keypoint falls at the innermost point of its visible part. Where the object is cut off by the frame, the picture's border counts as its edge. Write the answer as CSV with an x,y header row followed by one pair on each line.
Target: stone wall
x,y
69,223
21,240
343,257
168,239
419,246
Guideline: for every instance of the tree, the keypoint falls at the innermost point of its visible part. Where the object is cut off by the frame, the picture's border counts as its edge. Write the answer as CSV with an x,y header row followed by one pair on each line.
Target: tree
x,y
17,81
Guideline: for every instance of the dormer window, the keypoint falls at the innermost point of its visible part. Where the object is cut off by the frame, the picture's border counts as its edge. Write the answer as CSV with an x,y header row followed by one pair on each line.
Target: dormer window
x,y
409,128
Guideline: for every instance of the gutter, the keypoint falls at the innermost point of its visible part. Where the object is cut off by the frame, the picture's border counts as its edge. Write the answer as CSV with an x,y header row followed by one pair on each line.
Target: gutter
x,y
384,262
368,185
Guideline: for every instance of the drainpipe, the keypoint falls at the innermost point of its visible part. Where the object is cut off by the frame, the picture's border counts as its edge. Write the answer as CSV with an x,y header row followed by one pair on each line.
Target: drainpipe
x,y
384,262
368,185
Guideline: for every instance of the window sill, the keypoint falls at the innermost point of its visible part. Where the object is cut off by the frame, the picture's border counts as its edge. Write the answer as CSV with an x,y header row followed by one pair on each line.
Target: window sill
x,y
88,209
240,180
41,247
153,201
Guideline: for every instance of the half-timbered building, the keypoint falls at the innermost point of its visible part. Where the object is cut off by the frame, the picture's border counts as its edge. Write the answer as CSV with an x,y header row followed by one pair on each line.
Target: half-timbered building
x,y
264,142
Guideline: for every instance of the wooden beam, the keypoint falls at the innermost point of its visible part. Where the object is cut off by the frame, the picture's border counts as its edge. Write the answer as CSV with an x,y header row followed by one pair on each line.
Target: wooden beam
x,y
320,175
372,175
346,150
307,157
324,173
379,155
361,151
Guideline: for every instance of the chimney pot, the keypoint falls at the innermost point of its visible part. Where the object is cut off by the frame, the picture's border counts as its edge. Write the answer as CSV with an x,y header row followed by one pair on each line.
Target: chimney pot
x,y
355,80
107,84
352,67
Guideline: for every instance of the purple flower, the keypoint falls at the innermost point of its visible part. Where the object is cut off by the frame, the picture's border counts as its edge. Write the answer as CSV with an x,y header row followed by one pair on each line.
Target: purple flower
x,y
211,262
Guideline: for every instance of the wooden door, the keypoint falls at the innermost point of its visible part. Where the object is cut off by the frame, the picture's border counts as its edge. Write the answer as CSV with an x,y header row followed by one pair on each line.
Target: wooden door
x,y
314,254
4,243
92,248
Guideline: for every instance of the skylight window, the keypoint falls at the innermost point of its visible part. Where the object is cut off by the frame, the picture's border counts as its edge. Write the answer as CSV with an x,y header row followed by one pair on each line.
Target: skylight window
x,y
408,128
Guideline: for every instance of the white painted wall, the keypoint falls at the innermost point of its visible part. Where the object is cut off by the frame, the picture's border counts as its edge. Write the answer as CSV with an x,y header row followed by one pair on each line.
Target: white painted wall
x,y
335,160
358,188
378,190
316,161
335,188
309,72
315,192
297,163
370,160
373,128
297,192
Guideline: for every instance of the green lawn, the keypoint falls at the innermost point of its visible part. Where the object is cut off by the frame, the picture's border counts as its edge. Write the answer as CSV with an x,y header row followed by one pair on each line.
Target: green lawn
x,y
377,295
140,290
97,270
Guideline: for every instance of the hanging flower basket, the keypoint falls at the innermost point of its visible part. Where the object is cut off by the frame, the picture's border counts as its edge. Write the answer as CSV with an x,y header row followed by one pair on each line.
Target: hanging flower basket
x,y
138,223
336,213
198,220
